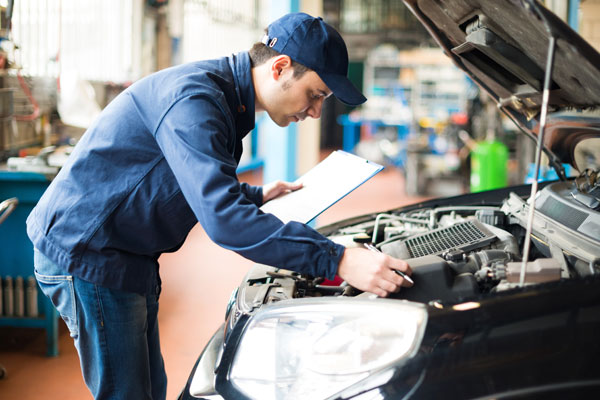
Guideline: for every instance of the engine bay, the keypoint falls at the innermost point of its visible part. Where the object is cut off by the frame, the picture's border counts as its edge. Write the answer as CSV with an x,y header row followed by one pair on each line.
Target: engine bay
x,y
459,252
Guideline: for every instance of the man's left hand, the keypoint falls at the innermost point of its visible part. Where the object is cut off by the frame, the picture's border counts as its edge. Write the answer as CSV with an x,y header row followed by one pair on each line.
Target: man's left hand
x,y
277,188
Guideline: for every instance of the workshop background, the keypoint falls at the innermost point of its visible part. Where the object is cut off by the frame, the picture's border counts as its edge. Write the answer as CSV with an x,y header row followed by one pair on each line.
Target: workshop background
x,y
62,61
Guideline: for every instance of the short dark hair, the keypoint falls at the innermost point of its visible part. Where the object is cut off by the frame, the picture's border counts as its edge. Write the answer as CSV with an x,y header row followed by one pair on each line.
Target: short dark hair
x,y
261,53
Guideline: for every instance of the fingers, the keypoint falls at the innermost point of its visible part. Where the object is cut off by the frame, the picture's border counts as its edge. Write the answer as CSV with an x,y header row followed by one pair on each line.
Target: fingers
x,y
380,292
392,283
276,188
283,185
373,272
403,271
291,186
404,267
389,286
287,187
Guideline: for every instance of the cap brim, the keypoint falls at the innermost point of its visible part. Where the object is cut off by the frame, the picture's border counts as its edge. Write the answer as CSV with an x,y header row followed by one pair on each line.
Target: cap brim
x,y
343,89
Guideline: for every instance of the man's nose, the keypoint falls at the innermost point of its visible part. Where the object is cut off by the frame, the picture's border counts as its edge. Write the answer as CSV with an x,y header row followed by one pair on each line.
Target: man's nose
x,y
314,111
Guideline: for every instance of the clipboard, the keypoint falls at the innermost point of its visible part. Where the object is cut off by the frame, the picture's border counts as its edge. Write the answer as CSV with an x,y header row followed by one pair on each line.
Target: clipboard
x,y
323,186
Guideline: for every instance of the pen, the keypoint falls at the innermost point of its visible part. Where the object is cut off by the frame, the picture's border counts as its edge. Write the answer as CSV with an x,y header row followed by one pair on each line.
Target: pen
x,y
402,274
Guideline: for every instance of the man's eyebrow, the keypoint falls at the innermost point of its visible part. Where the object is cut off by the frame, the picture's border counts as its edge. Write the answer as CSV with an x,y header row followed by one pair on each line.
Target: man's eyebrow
x,y
324,93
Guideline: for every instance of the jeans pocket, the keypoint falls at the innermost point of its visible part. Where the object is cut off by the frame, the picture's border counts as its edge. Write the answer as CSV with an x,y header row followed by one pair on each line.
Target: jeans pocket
x,y
59,289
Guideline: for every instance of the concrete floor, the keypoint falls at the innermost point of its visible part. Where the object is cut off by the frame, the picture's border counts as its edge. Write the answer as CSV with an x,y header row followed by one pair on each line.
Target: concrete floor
x,y
197,282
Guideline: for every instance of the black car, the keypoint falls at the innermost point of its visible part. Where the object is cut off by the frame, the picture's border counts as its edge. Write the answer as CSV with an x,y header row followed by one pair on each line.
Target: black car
x,y
506,300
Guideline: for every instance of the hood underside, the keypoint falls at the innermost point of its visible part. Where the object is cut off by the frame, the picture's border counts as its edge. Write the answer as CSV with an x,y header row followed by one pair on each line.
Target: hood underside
x,y
503,47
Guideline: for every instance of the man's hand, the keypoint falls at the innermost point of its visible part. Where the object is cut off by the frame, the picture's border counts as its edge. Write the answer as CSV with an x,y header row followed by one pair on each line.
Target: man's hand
x,y
274,189
373,272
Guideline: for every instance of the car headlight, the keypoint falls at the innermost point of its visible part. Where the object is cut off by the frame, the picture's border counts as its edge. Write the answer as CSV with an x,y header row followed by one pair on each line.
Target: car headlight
x,y
313,348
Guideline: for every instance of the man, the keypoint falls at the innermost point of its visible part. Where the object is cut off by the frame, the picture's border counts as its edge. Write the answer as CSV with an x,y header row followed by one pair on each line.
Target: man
x,y
161,157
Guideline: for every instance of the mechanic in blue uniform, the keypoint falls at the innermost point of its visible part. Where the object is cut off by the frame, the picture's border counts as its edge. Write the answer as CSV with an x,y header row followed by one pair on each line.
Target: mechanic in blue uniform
x,y
161,157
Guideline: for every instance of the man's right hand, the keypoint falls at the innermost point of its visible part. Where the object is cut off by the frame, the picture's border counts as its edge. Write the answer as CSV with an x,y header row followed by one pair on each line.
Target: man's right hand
x,y
373,272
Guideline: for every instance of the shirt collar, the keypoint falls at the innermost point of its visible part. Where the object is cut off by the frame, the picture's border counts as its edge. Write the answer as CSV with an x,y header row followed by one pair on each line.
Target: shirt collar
x,y
242,75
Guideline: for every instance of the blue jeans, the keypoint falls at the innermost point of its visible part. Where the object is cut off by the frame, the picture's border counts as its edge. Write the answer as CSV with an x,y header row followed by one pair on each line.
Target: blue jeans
x,y
115,333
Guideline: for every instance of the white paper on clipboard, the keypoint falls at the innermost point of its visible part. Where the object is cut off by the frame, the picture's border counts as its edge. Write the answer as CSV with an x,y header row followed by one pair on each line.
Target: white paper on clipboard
x,y
325,184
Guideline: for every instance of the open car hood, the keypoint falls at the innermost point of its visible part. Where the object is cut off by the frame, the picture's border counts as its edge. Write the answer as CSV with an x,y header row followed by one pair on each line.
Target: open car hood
x,y
503,47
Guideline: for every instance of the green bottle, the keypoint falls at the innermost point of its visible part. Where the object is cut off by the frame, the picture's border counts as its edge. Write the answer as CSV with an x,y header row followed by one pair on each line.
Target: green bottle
x,y
489,166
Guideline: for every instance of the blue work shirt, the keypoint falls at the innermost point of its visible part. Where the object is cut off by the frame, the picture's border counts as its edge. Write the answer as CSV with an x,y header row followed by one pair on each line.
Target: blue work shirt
x,y
159,158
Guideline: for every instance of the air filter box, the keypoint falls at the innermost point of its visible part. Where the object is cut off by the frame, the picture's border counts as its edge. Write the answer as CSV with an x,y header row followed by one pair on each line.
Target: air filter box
x,y
435,280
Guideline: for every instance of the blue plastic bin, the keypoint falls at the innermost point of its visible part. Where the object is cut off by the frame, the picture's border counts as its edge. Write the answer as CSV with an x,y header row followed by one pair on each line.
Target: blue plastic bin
x,y
16,250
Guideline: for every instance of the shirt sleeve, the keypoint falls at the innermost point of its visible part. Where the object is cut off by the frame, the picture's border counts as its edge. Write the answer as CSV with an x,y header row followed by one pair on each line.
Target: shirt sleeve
x,y
196,140
253,193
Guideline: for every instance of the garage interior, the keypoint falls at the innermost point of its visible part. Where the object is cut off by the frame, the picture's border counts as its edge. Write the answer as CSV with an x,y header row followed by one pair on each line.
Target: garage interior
x,y
62,62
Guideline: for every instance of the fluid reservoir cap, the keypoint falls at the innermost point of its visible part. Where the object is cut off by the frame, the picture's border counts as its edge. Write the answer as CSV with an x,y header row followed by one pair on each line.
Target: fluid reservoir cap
x,y
362,238
453,255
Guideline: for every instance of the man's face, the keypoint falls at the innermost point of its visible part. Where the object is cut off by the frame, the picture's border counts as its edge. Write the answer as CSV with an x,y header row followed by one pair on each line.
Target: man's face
x,y
294,99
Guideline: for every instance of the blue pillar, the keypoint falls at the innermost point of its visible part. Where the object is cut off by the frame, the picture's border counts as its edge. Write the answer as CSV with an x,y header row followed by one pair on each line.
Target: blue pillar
x,y
573,15
351,132
280,143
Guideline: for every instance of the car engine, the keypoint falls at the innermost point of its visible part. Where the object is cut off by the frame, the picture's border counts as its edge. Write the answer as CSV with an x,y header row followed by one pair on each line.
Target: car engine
x,y
460,252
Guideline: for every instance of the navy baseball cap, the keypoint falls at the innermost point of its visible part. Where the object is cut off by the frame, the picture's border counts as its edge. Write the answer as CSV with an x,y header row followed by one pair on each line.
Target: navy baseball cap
x,y
315,44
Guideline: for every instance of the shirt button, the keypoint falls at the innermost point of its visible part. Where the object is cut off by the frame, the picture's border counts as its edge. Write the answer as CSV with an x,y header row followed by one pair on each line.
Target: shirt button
x,y
332,252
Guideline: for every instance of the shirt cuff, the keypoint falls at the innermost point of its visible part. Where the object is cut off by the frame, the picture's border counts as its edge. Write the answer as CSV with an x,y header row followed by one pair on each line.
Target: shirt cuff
x,y
331,261
253,193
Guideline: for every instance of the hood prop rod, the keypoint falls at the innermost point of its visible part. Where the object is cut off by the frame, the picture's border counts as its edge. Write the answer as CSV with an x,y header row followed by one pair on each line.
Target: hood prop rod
x,y
540,141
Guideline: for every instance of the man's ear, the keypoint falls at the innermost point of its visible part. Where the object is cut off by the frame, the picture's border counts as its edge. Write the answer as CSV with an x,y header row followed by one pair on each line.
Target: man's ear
x,y
280,65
